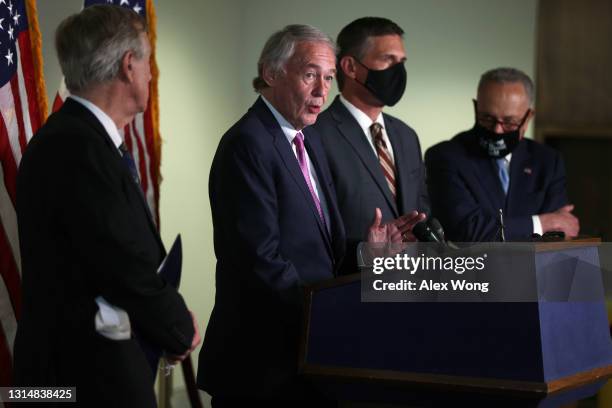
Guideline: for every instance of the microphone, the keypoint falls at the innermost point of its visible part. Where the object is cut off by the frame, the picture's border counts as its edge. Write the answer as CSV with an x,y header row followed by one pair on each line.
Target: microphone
x,y
425,233
437,228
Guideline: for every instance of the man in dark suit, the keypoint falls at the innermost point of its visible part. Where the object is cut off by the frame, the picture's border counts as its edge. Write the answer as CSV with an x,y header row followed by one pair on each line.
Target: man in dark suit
x,y
276,225
375,158
90,249
492,167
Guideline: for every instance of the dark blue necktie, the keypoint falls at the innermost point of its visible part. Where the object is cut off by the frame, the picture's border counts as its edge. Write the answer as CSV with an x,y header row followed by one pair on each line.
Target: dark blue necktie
x,y
128,160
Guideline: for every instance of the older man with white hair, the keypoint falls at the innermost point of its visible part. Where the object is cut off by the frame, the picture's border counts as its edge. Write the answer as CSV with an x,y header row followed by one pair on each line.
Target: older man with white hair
x,y
276,227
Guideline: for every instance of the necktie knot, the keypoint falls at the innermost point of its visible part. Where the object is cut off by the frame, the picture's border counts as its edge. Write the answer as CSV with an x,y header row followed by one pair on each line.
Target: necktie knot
x,y
123,148
376,130
298,140
377,134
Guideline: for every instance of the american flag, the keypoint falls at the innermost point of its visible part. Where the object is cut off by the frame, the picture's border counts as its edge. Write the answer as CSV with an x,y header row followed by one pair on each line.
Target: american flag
x,y
142,135
23,109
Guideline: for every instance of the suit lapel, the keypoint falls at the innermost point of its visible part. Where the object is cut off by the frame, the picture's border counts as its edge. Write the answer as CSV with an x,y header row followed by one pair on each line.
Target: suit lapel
x,y
352,132
483,171
315,151
486,173
76,109
521,168
288,157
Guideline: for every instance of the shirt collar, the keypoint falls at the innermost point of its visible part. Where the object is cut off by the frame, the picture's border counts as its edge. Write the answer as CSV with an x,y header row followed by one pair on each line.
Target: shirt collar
x,y
286,127
364,120
105,120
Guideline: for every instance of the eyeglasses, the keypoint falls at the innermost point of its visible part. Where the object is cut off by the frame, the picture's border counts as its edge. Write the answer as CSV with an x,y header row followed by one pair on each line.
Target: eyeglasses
x,y
509,125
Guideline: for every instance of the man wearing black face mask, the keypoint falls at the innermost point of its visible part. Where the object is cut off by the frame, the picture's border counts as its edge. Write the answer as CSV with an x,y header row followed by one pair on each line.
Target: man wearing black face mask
x,y
492,167
375,159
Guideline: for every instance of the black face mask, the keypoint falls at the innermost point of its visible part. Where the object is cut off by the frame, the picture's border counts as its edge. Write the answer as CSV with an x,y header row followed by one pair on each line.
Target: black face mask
x,y
388,84
497,145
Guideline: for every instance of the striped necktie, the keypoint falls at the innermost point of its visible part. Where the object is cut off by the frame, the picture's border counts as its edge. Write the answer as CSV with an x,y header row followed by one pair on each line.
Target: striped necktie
x,y
386,162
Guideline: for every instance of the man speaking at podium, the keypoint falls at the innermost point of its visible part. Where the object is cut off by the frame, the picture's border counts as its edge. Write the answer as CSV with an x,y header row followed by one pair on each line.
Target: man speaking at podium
x,y
276,225
492,167
90,249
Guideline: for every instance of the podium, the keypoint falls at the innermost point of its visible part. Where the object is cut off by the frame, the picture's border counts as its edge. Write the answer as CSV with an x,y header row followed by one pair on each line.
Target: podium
x,y
496,354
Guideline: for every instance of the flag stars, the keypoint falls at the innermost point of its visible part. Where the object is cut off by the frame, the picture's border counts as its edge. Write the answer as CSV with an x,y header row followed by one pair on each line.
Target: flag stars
x,y
137,8
1,27
2,1
10,32
10,8
9,57
124,2
16,18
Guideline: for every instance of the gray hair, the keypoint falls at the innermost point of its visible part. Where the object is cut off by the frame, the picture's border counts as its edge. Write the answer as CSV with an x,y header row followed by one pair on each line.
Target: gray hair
x,y
506,75
91,44
280,47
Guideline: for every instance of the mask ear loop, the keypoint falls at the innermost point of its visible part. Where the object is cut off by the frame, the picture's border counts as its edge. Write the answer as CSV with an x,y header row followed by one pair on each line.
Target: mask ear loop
x,y
361,63
525,118
368,69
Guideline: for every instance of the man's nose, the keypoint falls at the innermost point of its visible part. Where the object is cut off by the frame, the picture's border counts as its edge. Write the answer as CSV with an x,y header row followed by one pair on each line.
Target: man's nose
x,y
498,128
320,87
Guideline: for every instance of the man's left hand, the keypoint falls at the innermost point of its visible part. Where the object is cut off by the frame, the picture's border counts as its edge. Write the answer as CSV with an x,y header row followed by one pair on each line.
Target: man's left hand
x,y
379,232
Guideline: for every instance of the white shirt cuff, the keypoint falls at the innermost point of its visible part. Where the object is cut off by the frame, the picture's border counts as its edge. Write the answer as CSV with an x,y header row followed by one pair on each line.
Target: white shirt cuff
x,y
537,225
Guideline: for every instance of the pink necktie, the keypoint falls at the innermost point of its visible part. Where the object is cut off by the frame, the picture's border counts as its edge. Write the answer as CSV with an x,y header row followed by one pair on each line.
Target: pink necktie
x,y
298,140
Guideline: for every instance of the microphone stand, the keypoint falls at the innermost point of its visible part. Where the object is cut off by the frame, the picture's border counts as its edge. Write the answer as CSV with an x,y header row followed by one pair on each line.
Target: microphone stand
x,y
501,226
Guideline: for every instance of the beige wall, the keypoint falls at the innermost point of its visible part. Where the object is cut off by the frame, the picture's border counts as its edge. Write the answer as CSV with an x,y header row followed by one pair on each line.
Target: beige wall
x,y
207,52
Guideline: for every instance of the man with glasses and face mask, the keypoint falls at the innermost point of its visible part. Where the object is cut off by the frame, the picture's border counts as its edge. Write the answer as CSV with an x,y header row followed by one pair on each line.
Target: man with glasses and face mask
x,y
375,158
492,167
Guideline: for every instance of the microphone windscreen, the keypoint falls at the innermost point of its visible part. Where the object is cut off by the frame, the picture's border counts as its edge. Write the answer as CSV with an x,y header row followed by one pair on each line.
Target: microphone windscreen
x,y
423,232
437,227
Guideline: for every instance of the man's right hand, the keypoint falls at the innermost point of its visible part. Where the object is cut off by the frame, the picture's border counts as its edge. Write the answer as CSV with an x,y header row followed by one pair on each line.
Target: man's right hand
x,y
561,220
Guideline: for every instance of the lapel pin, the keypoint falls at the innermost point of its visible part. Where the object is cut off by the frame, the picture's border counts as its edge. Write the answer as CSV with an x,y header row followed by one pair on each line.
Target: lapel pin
x,y
527,170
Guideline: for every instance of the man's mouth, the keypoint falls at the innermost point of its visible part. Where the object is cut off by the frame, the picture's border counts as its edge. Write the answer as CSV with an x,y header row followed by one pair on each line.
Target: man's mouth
x,y
314,108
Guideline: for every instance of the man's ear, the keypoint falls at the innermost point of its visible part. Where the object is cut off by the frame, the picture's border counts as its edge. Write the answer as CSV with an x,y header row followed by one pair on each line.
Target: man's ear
x,y
127,71
270,76
348,66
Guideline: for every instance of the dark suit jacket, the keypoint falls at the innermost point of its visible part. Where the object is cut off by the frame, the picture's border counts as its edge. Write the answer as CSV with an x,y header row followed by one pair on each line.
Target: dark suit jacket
x,y
358,177
269,243
85,232
466,193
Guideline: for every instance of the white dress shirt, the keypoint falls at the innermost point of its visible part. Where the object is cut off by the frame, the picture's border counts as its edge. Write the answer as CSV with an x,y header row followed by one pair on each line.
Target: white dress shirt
x,y
365,122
